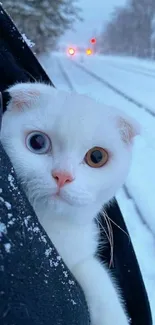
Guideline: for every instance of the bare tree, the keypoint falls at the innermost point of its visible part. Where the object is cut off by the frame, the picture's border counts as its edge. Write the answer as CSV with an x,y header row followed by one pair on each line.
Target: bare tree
x,y
118,35
143,11
130,29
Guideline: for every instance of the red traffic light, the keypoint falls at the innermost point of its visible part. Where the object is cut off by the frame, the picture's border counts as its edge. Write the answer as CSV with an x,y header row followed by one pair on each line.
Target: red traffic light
x,y
93,40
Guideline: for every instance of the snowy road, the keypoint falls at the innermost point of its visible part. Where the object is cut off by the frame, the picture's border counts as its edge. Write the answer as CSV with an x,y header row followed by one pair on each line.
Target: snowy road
x,y
136,79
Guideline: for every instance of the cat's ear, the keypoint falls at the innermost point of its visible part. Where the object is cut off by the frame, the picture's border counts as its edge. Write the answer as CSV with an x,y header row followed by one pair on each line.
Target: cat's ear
x,y
22,95
128,128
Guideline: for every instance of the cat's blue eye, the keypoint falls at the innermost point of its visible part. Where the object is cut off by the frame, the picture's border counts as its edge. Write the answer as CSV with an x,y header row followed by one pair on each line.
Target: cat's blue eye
x,y
38,142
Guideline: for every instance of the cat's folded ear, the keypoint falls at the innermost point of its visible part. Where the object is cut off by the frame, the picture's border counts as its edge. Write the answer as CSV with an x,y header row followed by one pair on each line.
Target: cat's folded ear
x,y
23,95
128,128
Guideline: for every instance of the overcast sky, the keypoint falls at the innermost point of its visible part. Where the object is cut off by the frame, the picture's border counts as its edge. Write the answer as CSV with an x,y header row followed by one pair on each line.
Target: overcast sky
x,y
95,14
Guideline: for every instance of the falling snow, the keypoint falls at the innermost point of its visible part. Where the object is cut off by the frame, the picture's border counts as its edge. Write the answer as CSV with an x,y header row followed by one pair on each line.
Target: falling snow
x,y
11,181
73,302
3,229
26,220
28,41
7,247
65,274
55,264
11,222
36,229
48,252
71,282
7,204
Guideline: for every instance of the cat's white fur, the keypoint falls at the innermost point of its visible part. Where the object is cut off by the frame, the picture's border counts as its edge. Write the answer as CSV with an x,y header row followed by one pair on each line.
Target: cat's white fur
x,y
75,124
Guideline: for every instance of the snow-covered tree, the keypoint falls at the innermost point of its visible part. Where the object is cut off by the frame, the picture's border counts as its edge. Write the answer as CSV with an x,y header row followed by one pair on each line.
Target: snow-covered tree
x,y
43,21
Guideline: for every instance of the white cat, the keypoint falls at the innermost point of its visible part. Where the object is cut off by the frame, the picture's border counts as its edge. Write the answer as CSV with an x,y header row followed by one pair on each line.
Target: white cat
x,y
71,154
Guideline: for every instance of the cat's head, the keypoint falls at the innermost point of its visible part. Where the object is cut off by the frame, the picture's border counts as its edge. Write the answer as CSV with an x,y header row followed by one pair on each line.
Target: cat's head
x,y
70,152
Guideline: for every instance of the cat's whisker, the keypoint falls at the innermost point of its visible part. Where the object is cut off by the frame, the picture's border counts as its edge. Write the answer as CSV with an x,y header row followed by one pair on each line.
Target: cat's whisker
x,y
111,240
109,236
108,221
34,192
118,226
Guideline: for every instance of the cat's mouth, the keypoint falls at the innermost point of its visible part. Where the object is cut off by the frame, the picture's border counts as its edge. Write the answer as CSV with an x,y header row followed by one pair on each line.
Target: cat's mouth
x,y
58,196
58,199
72,200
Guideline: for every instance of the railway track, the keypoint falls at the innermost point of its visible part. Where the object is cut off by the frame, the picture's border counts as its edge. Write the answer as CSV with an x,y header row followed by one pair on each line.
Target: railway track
x,y
133,69
116,90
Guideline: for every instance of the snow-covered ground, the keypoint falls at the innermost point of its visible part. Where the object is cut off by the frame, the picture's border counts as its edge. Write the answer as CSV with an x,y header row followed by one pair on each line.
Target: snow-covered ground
x,y
136,78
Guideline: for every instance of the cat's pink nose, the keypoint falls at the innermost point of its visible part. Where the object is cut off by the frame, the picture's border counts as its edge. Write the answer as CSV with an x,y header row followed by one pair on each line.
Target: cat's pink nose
x,y
62,178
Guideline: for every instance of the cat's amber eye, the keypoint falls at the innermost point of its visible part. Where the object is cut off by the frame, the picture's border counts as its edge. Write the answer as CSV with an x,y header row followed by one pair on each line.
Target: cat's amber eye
x,y
38,142
96,157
